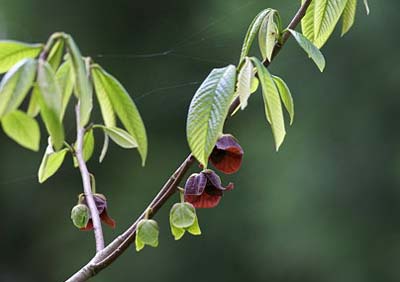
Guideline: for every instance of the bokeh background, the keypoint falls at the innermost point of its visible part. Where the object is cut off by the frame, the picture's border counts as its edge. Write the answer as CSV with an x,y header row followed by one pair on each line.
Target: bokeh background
x,y
326,208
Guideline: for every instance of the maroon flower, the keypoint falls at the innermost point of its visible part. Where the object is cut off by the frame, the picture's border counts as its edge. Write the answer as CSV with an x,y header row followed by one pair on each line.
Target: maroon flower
x,y
101,204
204,189
227,154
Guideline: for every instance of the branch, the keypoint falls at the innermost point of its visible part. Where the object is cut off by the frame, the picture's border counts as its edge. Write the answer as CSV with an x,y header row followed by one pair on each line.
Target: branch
x,y
109,254
98,232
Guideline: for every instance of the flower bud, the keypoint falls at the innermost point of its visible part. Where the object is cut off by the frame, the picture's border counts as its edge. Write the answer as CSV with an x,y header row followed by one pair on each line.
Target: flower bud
x,y
80,215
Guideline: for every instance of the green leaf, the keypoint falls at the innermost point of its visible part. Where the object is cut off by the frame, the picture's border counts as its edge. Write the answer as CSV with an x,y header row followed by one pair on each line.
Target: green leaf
x,y
271,35
33,107
51,162
177,232
66,80
56,54
366,6
182,215
106,107
82,85
23,129
50,103
307,23
349,15
208,110
120,137
195,228
11,52
286,96
15,85
244,82
147,234
262,37
124,107
326,16
312,51
105,147
252,32
272,101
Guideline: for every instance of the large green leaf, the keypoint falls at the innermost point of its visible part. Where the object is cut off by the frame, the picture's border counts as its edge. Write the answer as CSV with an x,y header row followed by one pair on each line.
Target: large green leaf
x,y
83,89
208,110
312,51
244,81
11,52
15,85
124,107
286,96
23,129
349,15
326,16
56,54
51,162
272,101
106,108
65,79
50,103
307,23
252,33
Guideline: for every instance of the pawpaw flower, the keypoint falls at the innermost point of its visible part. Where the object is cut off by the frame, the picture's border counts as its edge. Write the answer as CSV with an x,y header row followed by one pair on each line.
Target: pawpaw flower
x,y
101,204
227,154
204,189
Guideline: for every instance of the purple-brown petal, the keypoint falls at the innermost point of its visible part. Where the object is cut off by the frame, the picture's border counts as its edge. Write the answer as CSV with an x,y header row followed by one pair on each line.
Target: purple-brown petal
x,y
195,184
204,200
215,181
227,154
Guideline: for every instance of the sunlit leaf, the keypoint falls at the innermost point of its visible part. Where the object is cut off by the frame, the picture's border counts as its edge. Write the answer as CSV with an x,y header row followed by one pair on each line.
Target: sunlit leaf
x,y
33,107
307,23
366,6
146,234
50,103
11,52
56,54
271,34
312,51
272,101
326,16
15,85
252,33
83,89
244,81
286,96
349,15
208,110
51,162
120,137
65,79
23,129
124,108
104,149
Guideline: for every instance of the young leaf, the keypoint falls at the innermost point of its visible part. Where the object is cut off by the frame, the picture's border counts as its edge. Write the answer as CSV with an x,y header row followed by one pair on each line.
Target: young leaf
x,y
307,23
50,103
15,85
244,81
252,32
182,215
82,85
23,129
312,51
124,107
271,34
51,162
286,96
366,6
120,137
104,101
262,36
56,54
11,52
208,110
33,107
105,147
272,101
326,16
349,15
66,80
146,234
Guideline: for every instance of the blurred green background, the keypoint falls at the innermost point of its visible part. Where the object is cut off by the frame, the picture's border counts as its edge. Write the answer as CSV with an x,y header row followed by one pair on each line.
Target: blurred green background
x,y
325,208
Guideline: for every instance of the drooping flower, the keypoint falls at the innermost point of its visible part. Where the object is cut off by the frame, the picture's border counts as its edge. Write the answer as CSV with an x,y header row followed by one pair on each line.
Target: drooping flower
x,y
227,154
204,189
101,204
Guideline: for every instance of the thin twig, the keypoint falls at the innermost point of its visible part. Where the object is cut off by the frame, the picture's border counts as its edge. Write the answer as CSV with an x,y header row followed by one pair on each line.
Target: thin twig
x,y
107,256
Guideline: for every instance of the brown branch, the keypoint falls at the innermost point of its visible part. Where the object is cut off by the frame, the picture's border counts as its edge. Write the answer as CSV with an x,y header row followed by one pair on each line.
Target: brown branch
x,y
109,254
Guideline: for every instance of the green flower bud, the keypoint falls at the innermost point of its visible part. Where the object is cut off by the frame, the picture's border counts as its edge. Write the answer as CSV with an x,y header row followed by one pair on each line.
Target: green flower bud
x,y
80,215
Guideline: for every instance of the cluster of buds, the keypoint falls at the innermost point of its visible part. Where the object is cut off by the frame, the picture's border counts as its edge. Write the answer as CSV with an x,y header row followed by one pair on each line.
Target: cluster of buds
x,y
204,189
